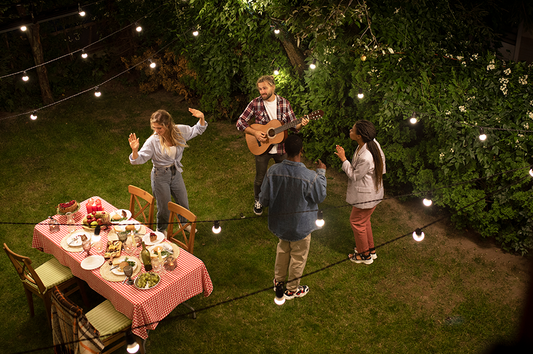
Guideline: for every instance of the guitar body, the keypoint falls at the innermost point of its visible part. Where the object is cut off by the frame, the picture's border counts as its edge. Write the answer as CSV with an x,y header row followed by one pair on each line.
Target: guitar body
x,y
258,148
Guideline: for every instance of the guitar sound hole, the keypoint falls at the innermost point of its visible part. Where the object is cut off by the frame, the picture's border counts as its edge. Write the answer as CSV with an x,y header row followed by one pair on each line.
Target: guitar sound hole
x,y
271,133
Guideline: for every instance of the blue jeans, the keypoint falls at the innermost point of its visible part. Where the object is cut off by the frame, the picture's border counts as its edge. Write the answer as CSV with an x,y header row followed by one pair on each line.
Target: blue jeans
x,y
167,183
261,167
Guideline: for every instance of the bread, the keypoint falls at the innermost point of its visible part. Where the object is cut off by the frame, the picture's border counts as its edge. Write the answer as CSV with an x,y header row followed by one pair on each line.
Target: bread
x,y
117,217
130,227
153,237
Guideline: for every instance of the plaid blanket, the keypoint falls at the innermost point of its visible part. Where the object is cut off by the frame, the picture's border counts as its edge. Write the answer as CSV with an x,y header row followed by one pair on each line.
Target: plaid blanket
x,y
72,333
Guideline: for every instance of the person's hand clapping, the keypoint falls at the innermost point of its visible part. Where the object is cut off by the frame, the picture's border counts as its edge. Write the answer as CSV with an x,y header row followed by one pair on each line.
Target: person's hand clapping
x,y
340,153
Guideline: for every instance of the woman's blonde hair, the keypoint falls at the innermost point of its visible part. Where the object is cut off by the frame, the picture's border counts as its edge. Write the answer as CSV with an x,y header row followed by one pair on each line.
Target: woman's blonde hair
x,y
172,136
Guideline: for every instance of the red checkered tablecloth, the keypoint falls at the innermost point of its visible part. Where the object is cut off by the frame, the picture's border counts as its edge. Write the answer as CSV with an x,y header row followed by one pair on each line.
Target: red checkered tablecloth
x,y
144,307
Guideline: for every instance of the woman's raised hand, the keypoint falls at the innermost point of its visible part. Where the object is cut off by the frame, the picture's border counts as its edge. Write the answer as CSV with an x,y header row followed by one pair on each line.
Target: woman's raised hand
x,y
340,153
134,142
196,113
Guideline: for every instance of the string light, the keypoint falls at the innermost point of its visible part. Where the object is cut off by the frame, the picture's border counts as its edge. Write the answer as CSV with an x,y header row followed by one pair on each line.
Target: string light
x,y
427,201
80,11
196,32
280,297
276,31
482,135
97,92
418,235
360,94
23,28
320,219
216,227
313,65
138,27
152,63
133,346
276,71
83,54
25,77
413,119
531,172
33,116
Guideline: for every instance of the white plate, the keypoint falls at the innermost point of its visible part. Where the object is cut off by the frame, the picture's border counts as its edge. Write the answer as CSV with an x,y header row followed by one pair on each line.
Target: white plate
x,y
74,240
160,238
117,271
119,212
123,224
92,262
166,246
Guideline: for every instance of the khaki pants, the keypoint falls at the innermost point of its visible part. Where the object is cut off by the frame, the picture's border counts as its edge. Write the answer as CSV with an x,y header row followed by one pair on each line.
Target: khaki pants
x,y
291,256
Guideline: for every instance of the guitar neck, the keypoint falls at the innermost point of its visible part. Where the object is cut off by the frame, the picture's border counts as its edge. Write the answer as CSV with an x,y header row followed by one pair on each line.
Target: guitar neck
x,y
288,125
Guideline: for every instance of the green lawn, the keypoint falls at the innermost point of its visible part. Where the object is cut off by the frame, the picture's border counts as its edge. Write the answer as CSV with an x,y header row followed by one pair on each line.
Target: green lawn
x,y
428,297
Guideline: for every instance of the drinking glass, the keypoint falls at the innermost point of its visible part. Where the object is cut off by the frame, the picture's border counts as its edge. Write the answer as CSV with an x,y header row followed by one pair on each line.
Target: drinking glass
x,y
157,265
128,271
87,246
70,222
98,246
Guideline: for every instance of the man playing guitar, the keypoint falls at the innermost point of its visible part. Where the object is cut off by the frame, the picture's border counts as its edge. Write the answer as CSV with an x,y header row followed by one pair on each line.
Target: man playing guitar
x,y
267,107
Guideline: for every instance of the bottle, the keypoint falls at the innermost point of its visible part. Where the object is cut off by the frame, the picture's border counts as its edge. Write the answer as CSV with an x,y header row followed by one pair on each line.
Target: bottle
x,y
145,256
53,224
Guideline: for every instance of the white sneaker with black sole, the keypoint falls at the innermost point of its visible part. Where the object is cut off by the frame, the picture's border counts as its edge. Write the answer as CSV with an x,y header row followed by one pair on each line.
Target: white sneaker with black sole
x,y
258,208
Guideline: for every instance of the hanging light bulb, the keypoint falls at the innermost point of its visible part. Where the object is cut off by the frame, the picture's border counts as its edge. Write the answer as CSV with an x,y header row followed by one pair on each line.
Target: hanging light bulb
x,y
23,28
427,201
360,94
482,135
276,31
320,219
196,31
216,227
313,65
531,172
418,235
33,116
152,63
138,27
83,54
280,298
413,119
133,346
97,92
276,71
25,77
80,11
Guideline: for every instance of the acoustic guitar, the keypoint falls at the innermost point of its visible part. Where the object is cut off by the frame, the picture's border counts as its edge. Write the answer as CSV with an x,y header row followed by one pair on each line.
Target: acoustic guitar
x,y
275,132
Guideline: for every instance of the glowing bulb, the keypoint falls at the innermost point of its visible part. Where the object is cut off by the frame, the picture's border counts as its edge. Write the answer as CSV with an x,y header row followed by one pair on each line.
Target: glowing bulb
x,y
531,172
82,13
133,348
320,219
138,28
23,28
427,202
483,137
280,297
418,235
33,116
84,55
360,94
313,65
152,64
276,31
25,77
216,227
195,33
279,301
97,92
276,71
413,119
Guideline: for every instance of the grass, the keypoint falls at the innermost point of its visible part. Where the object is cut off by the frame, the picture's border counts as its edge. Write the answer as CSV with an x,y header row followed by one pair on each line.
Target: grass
x,y
431,297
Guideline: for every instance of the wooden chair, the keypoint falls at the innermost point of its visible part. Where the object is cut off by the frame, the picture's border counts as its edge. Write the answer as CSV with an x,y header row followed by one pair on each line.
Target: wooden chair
x,y
145,202
179,236
101,330
41,280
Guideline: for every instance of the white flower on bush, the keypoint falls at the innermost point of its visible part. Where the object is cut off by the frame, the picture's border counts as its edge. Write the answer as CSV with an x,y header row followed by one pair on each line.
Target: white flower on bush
x,y
475,56
471,98
531,102
452,150
459,57
490,67
498,119
530,114
523,80
391,51
526,125
504,89
447,113
399,59
504,80
397,10
463,63
462,108
441,155
507,71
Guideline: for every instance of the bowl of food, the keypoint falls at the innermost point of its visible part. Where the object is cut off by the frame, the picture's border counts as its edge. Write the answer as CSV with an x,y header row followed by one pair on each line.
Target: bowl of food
x,y
147,281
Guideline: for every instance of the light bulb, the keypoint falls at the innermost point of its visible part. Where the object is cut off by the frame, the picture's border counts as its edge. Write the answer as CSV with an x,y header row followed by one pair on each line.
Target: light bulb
x,y
138,28
83,54
531,172
276,71
97,92
276,31
313,65
413,119
82,13
320,219
23,28
418,235
216,227
195,33
360,94
483,137
280,297
133,348
427,202
279,301
33,116
25,77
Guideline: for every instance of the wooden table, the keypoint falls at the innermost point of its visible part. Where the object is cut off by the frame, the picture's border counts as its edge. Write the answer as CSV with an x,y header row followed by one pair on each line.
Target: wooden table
x,y
144,307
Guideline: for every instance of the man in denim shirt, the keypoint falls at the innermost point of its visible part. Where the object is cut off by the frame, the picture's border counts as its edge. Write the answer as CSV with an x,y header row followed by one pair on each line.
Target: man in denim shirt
x,y
292,193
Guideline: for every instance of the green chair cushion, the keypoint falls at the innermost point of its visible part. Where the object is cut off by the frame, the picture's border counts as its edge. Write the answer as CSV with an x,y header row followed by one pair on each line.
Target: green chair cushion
x,y
107,320
53,273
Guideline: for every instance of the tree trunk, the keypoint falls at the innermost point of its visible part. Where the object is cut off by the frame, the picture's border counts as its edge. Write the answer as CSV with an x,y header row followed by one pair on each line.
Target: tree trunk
x,y
37,50
294,53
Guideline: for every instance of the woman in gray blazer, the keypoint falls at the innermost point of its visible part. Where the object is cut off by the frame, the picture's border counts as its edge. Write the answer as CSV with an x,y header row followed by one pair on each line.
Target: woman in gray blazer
x,y
365,187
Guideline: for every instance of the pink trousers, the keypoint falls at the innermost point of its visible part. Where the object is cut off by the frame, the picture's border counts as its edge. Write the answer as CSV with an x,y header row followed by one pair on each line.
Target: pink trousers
x,y
362,229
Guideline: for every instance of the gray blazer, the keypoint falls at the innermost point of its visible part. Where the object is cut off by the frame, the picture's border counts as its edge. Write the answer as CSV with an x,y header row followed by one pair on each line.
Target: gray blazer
x,y
360,174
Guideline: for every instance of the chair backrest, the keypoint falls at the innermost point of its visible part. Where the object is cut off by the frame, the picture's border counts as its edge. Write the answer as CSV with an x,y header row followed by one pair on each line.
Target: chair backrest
x,y
24,269
176,229
145,203
71,331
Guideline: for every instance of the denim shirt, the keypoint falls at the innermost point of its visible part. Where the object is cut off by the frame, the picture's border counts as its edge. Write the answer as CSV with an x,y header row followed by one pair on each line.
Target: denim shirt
x,y
152,148
292,193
